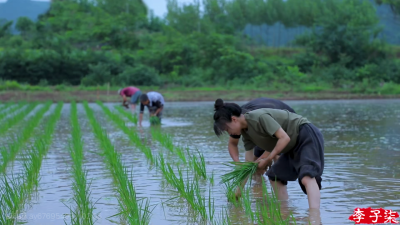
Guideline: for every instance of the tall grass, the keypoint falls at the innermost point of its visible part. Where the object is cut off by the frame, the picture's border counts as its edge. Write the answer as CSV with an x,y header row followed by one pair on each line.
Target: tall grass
x,y
7,124
135,211
11,150
132,134
15,191
82,214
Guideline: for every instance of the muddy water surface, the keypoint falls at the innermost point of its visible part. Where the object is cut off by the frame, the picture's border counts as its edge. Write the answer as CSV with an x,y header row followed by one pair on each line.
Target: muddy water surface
x,y
362,169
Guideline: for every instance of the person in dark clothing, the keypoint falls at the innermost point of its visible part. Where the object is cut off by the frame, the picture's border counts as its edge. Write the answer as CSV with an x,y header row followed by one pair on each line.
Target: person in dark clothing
x,y
254,155
300,143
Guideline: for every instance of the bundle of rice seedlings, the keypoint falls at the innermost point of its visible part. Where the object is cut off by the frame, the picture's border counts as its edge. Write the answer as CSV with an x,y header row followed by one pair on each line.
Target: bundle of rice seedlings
x,y
154,120
241,171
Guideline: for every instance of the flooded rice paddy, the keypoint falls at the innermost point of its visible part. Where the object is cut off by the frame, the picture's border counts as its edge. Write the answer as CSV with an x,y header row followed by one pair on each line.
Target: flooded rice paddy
x,y
362,162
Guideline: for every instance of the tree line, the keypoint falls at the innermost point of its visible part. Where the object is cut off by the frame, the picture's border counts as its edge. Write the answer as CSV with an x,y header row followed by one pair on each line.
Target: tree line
x,y
201,43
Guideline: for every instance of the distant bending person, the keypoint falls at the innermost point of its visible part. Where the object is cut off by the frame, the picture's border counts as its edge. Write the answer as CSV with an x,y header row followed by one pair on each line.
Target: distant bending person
x,y
130,92
154,101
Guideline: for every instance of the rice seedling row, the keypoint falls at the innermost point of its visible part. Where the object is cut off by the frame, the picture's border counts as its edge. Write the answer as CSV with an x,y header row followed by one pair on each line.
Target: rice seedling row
x,y
15,191
132,134
197,164
188,188
131,117
242,171
268,211
7,124
9,152
135,211
82,213
9,108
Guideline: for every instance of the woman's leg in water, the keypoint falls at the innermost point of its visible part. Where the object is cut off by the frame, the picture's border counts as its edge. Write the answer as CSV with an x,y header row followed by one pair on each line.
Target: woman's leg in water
x,y
313,193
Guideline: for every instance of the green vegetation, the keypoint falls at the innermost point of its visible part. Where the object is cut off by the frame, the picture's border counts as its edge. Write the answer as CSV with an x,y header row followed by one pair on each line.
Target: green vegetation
x,y
16,191
133,136
82,214
128,114
133,210
118,43
18,117
241,172
10,109
154,121
11,150
183,170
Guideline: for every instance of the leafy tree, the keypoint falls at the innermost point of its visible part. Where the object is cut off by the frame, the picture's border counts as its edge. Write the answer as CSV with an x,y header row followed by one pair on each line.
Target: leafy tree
x,y
344,34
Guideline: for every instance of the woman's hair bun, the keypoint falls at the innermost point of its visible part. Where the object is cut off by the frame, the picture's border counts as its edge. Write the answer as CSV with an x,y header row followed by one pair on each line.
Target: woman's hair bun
x,y
218,104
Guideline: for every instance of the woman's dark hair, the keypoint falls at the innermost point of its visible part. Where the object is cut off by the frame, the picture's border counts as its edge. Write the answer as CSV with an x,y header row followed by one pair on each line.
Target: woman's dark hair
x,y
223,115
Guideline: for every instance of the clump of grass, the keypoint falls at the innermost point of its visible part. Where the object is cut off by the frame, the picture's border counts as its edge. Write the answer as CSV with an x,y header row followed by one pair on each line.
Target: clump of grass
x,y
154,121
241,172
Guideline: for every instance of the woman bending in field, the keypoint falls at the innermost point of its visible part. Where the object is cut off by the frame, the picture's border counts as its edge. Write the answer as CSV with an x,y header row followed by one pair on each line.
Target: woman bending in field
x,y
276,131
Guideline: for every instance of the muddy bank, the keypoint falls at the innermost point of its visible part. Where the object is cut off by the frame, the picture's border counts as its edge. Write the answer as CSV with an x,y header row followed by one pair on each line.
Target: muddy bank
x,y
187,95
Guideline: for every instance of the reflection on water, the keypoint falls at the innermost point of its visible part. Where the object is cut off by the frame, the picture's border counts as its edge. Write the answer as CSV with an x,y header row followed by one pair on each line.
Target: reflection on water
x,y
362,154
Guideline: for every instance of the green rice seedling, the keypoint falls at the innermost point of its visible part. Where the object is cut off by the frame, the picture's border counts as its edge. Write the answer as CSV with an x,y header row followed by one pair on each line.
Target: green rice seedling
x,y
8,153
18,117
241,172
131,117
17,190
198,164
82,214
188,188
223,219
166,141
246,200
154,121
10,108
211,206
132,134
135,211
11,196
269,210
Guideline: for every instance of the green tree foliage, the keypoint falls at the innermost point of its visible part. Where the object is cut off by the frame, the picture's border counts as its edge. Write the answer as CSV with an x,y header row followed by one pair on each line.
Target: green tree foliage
x,y
345,35
197,43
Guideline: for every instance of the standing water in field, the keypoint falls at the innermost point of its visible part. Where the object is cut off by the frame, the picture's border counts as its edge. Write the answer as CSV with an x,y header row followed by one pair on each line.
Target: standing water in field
x,y
361,164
